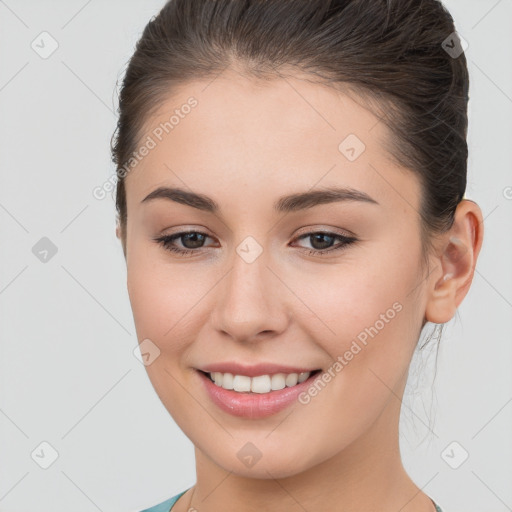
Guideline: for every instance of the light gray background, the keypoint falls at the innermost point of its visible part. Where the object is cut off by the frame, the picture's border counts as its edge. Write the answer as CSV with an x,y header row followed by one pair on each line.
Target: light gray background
x,y
68,375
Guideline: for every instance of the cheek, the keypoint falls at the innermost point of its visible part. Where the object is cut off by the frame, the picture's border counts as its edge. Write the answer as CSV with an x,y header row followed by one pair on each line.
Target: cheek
x,y
347,299
160,308
150,291
365,311
166,301
145,295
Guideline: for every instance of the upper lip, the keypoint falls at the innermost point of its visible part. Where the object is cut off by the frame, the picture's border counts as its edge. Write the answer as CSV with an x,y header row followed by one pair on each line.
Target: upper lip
x,y
253,370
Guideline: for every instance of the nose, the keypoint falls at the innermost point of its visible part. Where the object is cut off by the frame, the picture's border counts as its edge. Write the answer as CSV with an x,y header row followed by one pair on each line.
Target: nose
x,y
251,302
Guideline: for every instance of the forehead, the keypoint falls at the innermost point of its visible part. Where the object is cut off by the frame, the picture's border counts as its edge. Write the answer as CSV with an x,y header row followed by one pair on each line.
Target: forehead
x,y
280,135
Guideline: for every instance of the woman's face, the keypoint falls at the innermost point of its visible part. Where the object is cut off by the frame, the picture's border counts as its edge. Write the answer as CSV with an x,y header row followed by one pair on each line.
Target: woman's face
x,y
250,292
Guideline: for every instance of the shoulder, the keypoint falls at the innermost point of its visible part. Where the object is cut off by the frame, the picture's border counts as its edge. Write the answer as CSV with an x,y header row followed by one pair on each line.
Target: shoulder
x,y
166,505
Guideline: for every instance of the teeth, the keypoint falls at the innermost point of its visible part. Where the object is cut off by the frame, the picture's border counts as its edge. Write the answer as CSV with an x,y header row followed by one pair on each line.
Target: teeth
x,y
240,383
259,384
303,376
291,379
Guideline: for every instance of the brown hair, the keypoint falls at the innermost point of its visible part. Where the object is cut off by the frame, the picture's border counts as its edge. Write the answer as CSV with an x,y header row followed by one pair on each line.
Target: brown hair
x,y
391,53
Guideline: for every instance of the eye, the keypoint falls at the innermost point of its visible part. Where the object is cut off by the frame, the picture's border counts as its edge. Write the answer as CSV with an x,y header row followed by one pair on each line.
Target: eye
x,y
193,241
322,242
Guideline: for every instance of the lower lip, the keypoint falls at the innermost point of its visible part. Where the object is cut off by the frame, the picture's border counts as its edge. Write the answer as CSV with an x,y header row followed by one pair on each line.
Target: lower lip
x,y
254,405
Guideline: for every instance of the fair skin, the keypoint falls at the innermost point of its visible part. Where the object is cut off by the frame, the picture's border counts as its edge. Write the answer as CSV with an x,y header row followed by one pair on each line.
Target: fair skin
x,y
246,145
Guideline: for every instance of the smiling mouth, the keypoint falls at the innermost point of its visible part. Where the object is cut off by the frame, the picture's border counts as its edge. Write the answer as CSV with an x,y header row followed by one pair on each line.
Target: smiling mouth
x,y
261,384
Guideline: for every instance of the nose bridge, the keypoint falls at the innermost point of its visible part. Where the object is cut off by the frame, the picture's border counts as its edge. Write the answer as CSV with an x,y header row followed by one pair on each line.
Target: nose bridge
x,y
248,302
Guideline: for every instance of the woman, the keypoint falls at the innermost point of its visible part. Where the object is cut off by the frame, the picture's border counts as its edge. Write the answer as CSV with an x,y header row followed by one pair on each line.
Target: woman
x,y
291,210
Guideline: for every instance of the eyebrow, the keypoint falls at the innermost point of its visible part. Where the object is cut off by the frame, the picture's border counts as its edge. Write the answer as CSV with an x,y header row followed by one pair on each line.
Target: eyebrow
x,y
286,204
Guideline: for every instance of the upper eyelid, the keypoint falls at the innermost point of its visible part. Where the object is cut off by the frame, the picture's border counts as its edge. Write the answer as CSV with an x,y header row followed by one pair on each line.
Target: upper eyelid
x,y
326,231
307,231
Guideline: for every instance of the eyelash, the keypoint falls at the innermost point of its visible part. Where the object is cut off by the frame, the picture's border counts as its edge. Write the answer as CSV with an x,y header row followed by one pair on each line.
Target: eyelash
x,y
167,240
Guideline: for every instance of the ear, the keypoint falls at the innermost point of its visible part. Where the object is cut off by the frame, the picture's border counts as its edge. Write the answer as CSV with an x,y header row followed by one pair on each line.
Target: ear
x,y
119,235
455,263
